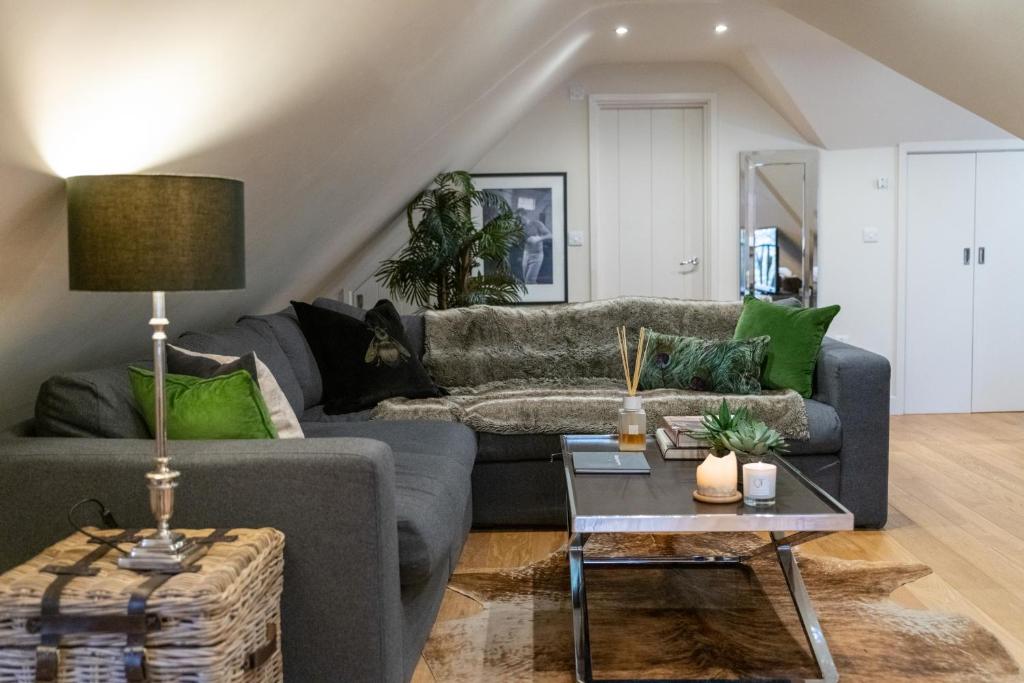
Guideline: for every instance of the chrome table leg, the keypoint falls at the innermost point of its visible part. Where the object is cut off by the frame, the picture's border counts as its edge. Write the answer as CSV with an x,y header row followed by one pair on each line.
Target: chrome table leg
x,y
580,623
804,608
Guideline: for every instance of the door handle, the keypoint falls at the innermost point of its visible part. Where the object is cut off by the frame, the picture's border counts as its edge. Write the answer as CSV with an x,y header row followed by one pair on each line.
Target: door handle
x,y
967,256
695,261
981,256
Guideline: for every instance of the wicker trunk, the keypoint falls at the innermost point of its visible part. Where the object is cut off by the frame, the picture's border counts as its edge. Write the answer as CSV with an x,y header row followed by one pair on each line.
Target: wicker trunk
x,y
218,624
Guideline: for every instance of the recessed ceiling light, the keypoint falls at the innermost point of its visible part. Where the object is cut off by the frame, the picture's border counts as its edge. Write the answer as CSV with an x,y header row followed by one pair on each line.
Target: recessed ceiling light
x,y
721,28
621,31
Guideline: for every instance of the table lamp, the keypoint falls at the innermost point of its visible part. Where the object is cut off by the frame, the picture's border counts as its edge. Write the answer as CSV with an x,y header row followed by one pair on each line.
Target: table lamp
x,y
156,233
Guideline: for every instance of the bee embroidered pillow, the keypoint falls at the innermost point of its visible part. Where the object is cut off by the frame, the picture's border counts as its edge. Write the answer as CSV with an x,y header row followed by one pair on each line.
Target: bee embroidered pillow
x,y
363,362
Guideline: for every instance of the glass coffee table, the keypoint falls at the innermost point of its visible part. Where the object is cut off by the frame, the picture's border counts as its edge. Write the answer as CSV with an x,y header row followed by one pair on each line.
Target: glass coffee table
x,y
661,502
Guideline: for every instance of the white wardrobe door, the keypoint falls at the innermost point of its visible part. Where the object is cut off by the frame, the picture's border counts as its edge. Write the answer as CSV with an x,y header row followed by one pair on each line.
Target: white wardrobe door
x,y
998,322
940,226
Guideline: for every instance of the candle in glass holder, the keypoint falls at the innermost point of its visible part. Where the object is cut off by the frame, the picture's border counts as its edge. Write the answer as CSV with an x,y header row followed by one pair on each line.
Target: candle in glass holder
x,y
716,476
759,484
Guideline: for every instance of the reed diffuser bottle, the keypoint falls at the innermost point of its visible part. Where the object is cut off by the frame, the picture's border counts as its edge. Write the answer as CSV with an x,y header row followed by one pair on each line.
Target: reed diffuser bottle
x,y
632,418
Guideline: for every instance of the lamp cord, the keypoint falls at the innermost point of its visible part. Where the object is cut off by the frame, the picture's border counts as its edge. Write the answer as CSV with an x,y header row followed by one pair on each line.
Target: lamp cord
x,y
105,514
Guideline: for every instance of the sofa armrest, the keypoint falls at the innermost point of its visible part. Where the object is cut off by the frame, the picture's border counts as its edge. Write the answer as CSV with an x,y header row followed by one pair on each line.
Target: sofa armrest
x,y
856,383
334,498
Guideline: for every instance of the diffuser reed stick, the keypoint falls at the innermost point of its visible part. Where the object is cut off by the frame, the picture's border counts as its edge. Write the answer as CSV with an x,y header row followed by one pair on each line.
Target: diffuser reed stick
x,y
632,375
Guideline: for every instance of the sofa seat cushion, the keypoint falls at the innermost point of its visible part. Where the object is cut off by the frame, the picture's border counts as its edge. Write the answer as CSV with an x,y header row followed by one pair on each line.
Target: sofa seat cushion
x,y
433,466
825,429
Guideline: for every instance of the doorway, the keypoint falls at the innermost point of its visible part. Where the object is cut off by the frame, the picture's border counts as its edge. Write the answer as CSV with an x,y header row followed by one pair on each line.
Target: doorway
x,y
650,195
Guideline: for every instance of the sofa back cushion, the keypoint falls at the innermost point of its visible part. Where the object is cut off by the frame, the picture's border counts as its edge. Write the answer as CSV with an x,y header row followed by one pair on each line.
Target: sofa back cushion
x,y
480,344
251,334
96,403
285,327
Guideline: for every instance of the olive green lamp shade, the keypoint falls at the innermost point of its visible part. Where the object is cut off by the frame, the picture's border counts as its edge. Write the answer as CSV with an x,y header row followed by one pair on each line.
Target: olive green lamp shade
x,y
130,233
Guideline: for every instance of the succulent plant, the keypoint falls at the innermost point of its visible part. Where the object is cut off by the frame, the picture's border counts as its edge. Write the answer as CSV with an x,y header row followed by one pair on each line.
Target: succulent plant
x,y
714,425
728,431
753,438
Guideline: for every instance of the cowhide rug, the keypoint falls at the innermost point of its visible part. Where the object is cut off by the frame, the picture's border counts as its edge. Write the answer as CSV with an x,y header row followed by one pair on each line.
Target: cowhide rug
x,y
724,623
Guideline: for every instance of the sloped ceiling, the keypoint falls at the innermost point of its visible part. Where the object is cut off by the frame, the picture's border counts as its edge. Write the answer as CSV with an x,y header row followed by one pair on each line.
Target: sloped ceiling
x,y
969,51
334,112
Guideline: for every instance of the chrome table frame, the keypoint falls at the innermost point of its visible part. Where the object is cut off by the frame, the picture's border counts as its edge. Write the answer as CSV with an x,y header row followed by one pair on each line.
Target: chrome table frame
x,y
813,526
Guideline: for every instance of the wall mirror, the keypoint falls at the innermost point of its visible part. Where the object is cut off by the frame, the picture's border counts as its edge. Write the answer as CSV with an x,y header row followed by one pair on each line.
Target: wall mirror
x,y
779,225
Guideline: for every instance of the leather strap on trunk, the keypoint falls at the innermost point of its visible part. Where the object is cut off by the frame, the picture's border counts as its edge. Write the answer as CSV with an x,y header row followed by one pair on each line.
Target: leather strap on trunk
x,y
48,652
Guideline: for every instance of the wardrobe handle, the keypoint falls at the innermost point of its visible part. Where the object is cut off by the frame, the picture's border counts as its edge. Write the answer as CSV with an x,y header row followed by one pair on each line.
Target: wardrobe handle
x,y
967,256
981,256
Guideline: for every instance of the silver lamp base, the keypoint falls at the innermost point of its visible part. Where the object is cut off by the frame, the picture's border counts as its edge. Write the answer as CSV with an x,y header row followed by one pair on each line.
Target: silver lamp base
x,y
166,550
169,552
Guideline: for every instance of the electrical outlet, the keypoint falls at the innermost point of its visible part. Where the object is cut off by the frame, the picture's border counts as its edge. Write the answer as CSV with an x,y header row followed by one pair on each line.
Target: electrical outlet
x,y
575,238
882,183
870,234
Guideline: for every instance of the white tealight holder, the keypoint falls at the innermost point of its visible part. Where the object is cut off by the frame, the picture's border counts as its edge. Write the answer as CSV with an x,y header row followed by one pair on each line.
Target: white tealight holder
x,y
759,484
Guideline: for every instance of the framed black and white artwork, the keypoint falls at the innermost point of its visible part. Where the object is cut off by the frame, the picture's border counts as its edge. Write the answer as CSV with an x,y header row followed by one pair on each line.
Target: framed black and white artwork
x,y
539,261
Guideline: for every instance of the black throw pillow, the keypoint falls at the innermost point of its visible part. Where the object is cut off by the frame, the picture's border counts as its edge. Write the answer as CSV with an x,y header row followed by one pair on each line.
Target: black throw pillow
x,y
363,362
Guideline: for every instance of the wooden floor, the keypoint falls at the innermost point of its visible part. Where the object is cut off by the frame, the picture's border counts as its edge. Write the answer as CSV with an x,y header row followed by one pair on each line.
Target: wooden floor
x,y
956,504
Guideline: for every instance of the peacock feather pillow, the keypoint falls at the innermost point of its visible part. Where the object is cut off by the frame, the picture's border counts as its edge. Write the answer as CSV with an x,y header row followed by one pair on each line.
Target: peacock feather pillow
x,y
724,367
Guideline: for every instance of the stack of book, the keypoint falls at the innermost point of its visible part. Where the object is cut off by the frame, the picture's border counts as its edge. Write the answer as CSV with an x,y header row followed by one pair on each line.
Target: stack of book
x,y
675,442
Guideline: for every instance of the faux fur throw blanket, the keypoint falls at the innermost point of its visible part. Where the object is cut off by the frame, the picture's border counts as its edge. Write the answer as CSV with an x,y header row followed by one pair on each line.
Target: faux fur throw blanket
x,y
582,406
556,369
466,347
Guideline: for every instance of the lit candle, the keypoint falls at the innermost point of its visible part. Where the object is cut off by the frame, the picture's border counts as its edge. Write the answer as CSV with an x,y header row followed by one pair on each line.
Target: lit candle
x,y
716,476
759,483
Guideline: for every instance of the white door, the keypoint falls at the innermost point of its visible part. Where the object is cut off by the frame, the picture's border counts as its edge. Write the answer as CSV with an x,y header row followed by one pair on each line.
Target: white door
x,y
940,273
649,203
998,322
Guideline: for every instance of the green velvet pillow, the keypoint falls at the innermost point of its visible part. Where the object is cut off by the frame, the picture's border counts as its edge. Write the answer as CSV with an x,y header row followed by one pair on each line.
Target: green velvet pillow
x,y
796,335
225,407
725,367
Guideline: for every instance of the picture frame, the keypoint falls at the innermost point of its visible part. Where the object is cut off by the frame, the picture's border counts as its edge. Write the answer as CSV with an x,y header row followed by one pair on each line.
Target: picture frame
x,y
541,262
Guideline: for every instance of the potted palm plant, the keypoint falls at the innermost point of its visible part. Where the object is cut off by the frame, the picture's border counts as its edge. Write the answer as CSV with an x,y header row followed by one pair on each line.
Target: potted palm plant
x,y
438,268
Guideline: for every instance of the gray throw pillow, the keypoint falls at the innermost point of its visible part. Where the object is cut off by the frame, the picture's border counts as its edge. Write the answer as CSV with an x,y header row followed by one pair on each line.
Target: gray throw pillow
x,y
182,363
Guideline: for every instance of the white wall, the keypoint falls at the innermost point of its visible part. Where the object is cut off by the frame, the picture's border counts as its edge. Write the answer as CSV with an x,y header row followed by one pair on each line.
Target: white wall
x,y
553,136
859,276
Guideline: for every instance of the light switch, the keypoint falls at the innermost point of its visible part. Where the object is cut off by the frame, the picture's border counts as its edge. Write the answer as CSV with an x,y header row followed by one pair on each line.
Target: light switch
x,y
870,234
882,183
575,238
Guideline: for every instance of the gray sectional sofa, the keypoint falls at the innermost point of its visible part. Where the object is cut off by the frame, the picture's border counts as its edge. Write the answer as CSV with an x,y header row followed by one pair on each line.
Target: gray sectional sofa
x,y
375,511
